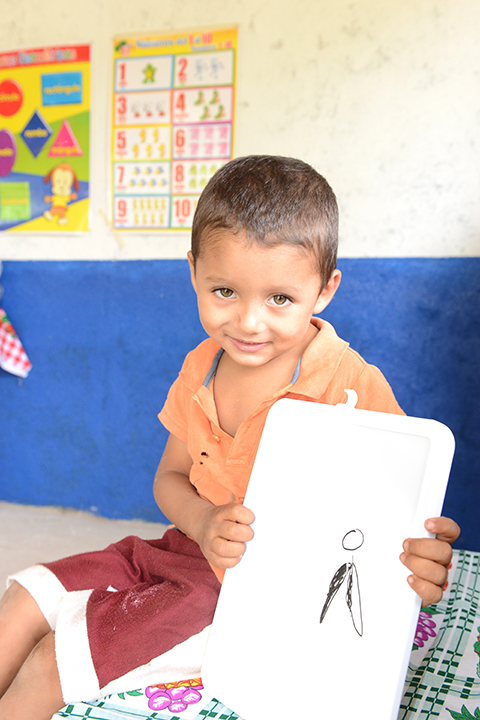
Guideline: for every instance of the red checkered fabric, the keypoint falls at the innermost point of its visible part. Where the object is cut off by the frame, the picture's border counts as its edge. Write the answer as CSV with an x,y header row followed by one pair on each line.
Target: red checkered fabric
x,y
13,357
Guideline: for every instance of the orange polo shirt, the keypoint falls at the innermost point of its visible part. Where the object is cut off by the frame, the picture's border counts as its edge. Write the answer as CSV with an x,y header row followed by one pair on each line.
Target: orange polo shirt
x,y
222,464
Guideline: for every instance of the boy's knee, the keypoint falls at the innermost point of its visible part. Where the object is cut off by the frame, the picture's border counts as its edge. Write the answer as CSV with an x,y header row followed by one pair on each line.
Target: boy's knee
x,y
36,688
44,650
17,603
42,662
17,594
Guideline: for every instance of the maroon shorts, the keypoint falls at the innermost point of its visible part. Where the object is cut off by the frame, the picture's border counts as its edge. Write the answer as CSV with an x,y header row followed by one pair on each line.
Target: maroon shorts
x,y
145,598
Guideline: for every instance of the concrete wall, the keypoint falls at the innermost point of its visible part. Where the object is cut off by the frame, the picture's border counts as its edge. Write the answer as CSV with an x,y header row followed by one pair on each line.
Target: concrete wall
x,y
382,98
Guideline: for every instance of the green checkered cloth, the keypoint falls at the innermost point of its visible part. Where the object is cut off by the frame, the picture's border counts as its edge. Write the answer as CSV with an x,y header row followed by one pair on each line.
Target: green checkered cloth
x,y
112,709
443,679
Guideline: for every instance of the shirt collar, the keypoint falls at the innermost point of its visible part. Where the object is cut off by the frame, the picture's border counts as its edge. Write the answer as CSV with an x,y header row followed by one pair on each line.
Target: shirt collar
x,y
320,360
315,368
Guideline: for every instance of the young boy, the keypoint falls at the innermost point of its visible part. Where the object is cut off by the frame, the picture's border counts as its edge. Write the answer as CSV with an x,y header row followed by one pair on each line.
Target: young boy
x,y
263,262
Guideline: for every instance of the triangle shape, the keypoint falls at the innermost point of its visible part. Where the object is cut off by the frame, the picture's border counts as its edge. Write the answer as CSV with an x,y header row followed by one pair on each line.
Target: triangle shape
x,y
65,144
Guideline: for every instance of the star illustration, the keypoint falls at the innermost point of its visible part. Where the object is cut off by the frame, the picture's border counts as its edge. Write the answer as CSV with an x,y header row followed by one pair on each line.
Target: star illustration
x,y
149,73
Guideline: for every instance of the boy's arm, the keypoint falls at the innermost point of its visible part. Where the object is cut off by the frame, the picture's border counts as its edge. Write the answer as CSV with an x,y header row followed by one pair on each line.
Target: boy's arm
x,y
429,558
220,531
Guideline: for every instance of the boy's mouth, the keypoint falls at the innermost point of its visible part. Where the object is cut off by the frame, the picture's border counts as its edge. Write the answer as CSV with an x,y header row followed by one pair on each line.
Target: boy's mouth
x,y
247,345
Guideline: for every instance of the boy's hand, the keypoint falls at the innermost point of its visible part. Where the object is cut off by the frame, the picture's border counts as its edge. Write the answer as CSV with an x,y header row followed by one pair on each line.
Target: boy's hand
x,y
429,558
223,533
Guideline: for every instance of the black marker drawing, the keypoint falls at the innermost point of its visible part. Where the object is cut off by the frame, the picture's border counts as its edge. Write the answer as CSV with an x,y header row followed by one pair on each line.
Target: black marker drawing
x,y
351,541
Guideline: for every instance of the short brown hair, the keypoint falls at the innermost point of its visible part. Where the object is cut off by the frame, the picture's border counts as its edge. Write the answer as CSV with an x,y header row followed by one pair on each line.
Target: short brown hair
x,y
274,200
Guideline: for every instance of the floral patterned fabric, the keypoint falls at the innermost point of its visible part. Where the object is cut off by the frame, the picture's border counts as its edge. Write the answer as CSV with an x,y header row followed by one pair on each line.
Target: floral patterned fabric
x,y
443,679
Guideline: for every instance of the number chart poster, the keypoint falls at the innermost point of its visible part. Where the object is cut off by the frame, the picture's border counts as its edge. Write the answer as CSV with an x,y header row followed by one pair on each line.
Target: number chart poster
x,y
44,139
173,120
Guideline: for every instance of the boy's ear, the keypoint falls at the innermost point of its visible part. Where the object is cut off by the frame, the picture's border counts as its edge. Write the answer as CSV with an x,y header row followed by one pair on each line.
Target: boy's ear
x,y
328,292
191,262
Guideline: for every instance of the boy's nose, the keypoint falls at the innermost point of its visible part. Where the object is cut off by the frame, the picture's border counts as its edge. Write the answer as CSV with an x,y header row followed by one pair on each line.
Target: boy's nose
x,y
250,319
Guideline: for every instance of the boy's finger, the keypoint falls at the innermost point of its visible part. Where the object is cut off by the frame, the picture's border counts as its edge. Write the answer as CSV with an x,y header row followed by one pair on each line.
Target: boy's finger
x,y
239,513
444,528
429,548
222,562
429,592
236,532
427,570
227,549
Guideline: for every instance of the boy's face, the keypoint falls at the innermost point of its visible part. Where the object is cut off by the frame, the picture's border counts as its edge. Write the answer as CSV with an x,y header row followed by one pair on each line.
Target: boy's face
x,y
256,302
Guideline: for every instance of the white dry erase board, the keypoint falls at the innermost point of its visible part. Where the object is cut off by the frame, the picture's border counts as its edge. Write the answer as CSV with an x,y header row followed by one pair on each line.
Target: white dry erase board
x,y
318,616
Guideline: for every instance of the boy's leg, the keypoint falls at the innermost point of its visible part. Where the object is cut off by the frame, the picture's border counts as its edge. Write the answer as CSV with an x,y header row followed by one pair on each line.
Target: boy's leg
x,y
167,587
164,599
35,694
22,626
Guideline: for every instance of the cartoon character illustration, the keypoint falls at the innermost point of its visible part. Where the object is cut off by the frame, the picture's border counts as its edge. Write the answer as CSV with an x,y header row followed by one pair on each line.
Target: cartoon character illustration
x,y
351,541
63,179
123,47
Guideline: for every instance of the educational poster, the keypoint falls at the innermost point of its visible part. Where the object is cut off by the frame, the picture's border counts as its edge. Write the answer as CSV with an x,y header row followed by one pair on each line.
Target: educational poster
x,y
172,124
44,139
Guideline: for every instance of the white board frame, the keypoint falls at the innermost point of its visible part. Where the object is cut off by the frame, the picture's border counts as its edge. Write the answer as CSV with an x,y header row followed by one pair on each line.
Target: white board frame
x,y
268,653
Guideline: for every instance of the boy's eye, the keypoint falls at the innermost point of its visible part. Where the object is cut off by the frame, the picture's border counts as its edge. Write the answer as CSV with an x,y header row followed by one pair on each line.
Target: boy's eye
x,y
224,292
280,300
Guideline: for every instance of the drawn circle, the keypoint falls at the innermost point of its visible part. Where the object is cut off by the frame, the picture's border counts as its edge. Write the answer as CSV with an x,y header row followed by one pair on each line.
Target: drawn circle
x,y
353,540
8,152
11,98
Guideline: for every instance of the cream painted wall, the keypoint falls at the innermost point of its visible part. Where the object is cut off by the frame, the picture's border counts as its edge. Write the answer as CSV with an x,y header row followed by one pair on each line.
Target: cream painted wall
x,y
382,97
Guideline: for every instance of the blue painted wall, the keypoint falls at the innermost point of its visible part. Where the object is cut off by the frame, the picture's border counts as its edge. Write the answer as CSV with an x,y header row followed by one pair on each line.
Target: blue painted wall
x,y
107,339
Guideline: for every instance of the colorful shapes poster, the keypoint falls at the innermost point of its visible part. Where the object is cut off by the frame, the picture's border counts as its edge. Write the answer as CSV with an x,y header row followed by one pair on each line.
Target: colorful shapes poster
x,y
172,124
44,139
